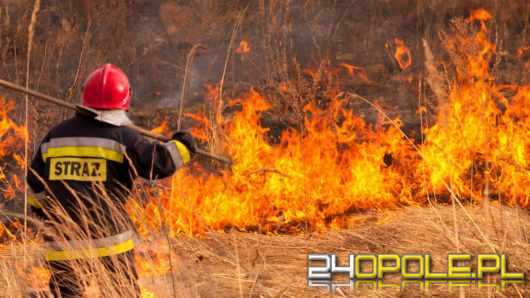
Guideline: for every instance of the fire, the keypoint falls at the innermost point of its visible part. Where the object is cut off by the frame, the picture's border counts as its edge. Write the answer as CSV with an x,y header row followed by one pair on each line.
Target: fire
x,y
146,293
10,144
367,166
355,71
340,163
154,260
309,72
402,54
481,15
521,50
243,47
38,279
162,128
12,138
4,230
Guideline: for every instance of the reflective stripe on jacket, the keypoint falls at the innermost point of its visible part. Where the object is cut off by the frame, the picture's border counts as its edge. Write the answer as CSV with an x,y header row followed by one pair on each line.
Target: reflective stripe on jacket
x,y
93,248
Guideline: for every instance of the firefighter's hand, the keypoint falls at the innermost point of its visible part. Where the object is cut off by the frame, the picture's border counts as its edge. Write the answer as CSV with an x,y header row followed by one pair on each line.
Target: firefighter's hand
x,y
186,139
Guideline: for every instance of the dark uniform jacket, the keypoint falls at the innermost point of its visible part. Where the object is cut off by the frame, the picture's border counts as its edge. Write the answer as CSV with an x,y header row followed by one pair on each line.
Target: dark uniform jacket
x,y
87,167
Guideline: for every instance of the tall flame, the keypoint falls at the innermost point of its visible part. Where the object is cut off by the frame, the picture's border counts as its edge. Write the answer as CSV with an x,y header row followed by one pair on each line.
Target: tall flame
x,y
341,163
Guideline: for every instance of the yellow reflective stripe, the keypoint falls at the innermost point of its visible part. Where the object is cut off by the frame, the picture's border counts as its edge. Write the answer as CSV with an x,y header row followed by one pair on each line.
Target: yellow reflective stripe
x,y
90,252
36,203
97,152
84,244
184,153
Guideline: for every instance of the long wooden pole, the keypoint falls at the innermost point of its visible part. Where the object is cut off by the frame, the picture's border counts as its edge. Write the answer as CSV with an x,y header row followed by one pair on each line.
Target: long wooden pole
x,y
70,106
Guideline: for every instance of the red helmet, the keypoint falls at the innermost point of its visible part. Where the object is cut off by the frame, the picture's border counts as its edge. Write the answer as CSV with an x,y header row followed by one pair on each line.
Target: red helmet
x,y
107,87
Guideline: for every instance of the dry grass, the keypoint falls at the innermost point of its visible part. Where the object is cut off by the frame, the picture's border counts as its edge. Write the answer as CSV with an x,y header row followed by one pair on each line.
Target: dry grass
x,y
204,268
280,261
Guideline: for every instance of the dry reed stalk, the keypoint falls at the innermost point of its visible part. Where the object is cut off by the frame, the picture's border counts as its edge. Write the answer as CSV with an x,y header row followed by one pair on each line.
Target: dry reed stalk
x,y
31,33
237,24
87,227
185,83
79,71
238,270
420,94
215,140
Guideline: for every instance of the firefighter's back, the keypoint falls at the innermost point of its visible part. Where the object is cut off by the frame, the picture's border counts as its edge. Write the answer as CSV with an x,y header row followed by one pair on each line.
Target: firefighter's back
x,y
87,172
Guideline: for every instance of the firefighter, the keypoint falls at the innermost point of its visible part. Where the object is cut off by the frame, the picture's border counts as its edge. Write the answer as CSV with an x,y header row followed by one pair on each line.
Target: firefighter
x,y
81,176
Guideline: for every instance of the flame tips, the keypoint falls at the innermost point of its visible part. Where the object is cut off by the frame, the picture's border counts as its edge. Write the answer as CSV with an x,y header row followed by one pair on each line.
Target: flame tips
x,y
355,71
402,54
243,47
481,15
162,128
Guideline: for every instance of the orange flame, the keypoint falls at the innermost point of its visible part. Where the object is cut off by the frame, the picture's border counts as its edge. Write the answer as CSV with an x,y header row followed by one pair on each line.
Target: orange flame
x,y
480,15
12,139
367,165
356,71
309,72
243,47
9,144
521,50
341,162
38,279
153,260
162,128
402,54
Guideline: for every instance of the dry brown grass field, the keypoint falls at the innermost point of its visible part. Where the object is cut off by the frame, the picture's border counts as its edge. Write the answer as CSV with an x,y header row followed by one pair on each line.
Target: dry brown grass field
x,y
205,267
